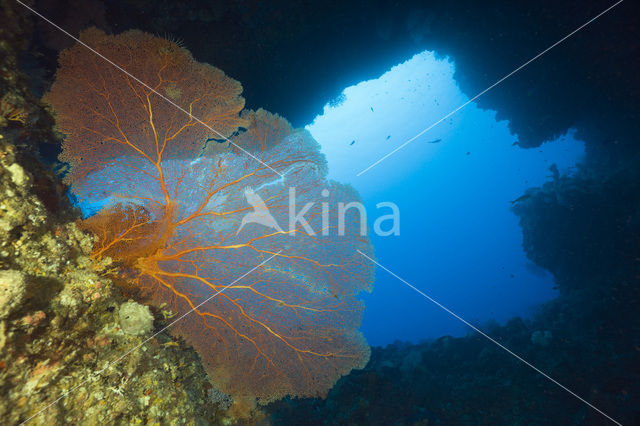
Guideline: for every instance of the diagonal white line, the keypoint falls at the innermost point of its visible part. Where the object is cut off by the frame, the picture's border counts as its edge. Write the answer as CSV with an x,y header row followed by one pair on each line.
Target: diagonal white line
x,y
491,339
97,373
147,86
488,88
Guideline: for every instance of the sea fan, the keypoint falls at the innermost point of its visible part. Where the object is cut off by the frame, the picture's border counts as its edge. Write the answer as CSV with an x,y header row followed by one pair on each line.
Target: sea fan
x,y
173,207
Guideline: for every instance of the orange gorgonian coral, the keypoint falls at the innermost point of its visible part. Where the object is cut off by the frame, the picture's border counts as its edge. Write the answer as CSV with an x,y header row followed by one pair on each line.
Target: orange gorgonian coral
x,y
173,204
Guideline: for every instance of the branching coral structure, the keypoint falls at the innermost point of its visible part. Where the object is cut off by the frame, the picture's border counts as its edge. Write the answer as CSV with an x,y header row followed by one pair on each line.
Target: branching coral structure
x,y
174,196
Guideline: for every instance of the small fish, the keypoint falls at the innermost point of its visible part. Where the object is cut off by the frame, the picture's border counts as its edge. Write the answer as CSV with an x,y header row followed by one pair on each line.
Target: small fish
x,y
435,141
372,109
171,343
388,137
352,142
468,152
521,198
516,143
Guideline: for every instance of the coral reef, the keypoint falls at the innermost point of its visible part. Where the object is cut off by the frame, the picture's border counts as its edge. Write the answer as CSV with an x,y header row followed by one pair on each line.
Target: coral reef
x,y
584,230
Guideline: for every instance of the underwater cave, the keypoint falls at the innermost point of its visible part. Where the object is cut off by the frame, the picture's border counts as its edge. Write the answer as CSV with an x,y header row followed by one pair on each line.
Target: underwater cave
x,y
360,212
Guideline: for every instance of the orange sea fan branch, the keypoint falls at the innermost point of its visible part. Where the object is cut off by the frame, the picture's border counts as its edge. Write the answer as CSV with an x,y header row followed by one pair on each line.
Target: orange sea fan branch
x,y
176,208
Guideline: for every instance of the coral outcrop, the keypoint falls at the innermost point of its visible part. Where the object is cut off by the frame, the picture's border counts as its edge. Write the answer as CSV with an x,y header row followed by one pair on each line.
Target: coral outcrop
x,y
12,291
135,319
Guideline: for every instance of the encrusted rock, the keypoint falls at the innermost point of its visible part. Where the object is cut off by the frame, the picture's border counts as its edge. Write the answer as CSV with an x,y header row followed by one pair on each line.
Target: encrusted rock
x,y
18,175
12,291
135,319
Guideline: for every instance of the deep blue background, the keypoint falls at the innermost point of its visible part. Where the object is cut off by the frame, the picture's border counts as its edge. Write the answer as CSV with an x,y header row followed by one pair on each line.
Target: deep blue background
x,y
459,242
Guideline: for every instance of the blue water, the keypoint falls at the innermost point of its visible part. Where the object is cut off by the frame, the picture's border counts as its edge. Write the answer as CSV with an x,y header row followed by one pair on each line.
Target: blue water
x,y
459,242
